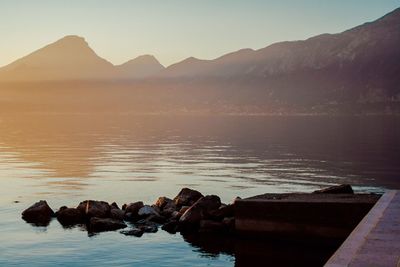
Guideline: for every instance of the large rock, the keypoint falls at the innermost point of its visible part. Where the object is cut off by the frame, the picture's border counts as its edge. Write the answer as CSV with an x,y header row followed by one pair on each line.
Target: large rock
x,y
187,197
105,224
162,201
200,210
39,213
337,189
94,208
132,209
70,216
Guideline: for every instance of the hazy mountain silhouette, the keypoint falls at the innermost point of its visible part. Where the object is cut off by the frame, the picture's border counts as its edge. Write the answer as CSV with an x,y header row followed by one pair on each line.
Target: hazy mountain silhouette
x,y
68,58
140,67
357,66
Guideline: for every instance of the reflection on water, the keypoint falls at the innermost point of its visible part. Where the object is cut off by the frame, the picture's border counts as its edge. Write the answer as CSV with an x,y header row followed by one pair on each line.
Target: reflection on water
x,y
66,158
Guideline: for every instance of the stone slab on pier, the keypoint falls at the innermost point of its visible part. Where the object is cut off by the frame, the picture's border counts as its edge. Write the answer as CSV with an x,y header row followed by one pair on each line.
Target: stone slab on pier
x,y
376,239
302,215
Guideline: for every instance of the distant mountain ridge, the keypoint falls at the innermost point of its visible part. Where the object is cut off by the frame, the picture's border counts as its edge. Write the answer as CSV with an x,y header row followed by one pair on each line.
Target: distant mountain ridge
x,y
360,65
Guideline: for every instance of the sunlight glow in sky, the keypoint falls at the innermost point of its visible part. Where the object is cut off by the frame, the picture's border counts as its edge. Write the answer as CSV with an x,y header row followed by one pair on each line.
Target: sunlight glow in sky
x,y
174,30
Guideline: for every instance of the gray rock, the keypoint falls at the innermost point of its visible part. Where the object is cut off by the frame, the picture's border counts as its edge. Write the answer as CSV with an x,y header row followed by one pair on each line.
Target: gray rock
x,y
39,213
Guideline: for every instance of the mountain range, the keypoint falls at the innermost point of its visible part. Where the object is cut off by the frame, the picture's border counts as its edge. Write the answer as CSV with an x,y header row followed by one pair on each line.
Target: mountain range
x,y
360,65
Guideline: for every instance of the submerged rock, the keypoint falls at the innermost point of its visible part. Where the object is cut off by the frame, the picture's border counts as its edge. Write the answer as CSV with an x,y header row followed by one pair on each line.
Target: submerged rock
x,y
70,216
337,189
149,228
133,232
39,213
105,224
187,197
94,208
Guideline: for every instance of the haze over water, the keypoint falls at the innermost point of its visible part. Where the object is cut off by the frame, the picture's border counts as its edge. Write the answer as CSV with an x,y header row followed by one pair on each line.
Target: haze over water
x,y
66,158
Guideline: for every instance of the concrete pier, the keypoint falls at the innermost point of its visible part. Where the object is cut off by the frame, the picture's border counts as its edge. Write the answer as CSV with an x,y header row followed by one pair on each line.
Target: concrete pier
x,y
376,239
331,216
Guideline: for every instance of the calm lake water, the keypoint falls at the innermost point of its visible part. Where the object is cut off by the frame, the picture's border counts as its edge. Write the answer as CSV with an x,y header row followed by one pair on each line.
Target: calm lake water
x,y
67,158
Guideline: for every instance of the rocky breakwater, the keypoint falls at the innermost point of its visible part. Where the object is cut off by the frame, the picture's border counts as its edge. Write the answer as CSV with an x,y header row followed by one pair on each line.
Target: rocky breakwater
x,y
189,211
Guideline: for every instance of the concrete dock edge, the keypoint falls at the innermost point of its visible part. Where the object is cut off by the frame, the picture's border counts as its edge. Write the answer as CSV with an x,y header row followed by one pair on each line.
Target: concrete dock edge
x,y
350,248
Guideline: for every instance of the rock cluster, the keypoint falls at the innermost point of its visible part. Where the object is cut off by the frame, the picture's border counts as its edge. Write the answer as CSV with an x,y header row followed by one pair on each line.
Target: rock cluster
x,y
189,211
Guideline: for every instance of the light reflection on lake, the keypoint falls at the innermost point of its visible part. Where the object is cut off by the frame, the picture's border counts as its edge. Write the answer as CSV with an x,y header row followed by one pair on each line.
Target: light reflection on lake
x,y
66,158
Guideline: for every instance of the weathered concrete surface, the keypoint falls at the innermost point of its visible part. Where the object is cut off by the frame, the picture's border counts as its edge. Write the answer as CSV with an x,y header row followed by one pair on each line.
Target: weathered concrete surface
x,y
376,239
302,215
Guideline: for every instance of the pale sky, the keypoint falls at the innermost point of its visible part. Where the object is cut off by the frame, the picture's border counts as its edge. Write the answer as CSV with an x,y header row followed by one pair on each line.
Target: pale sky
x,y
173,30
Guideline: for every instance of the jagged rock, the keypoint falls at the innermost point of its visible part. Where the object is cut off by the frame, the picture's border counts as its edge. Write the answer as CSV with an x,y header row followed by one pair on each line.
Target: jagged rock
x,y
211,226
114,205
187,197
162,201
105,224
94,208
117,214
200,210
337,189
133,232
170,227
133,209
70,216
147,210
39,213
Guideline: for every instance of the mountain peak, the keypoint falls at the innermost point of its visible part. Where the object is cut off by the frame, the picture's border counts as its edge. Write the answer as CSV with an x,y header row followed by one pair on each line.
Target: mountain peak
x,y
67,58
143,59
71,41
140,67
